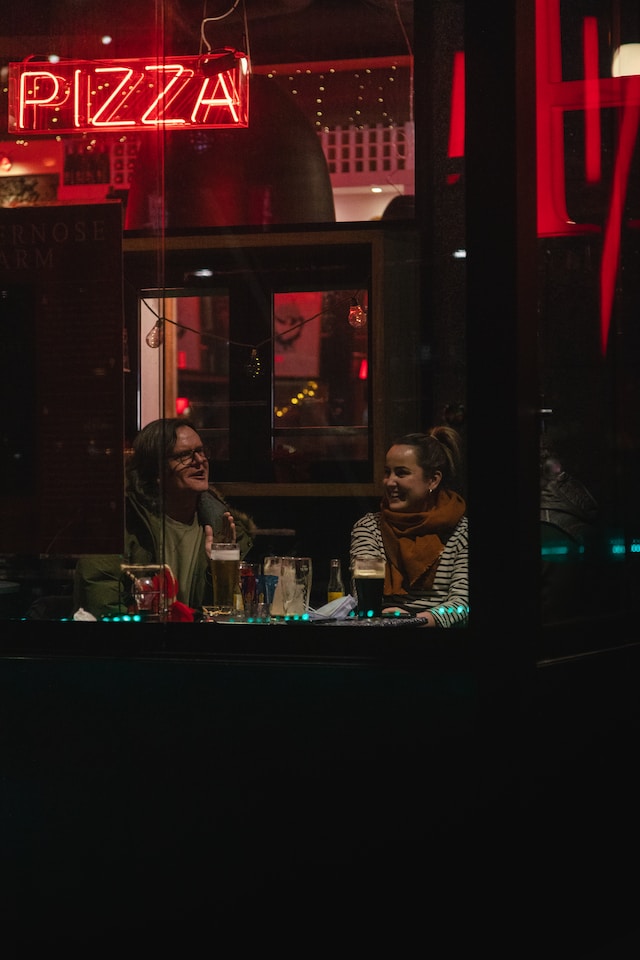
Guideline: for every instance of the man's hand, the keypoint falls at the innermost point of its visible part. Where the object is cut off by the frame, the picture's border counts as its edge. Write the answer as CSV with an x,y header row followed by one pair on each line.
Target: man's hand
x,y
228,536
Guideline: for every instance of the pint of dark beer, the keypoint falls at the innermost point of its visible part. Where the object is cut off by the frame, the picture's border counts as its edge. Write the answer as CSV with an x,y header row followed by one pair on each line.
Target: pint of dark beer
x,y
368,579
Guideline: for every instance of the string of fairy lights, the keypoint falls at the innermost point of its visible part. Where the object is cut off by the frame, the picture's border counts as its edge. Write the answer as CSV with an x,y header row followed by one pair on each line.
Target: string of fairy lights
x,y
305,393
356,317
365,95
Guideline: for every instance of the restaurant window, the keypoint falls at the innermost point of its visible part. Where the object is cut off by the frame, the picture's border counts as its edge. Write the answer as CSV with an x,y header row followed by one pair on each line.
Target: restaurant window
x,y
276,365
588,76
310,422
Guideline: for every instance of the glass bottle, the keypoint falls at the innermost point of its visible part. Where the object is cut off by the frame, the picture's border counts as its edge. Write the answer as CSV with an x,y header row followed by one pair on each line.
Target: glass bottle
x,y
335,589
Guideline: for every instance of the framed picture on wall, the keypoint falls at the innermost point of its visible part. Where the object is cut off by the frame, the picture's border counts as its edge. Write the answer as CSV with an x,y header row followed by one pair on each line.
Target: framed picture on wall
x,y
297,321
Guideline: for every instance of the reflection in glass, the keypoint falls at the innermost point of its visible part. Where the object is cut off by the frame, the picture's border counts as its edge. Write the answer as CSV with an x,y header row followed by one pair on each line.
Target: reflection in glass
x,y
195,364
321,374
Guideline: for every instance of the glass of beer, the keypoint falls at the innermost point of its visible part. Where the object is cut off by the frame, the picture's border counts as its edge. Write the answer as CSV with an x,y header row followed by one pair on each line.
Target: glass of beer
x,y
368,579
225,574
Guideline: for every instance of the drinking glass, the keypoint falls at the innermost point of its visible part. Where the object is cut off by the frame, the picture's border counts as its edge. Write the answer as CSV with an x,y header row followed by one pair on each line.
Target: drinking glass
x,y
295,578
249,586
149,589
368,578
265,590
225,574
272,567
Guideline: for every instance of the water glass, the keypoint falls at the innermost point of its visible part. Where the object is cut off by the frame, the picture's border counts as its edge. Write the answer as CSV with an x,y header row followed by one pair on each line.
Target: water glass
x,y
265,592
295,579
272,567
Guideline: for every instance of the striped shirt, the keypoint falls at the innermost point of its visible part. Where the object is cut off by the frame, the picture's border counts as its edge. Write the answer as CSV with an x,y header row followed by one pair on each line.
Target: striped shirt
x,y
448,598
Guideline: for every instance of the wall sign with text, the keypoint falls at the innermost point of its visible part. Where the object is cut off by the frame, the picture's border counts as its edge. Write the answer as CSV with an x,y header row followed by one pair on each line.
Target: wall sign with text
x,y
89,96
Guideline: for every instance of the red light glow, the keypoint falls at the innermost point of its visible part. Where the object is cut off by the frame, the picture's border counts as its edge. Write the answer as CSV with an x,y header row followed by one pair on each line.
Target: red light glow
x,y
592,138
456,127
611,248
555,96
124,95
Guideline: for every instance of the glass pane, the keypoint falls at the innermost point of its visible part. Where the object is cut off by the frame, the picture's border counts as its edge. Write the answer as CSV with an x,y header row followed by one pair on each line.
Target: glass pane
x,y
202,361
320,362
588,216
184,367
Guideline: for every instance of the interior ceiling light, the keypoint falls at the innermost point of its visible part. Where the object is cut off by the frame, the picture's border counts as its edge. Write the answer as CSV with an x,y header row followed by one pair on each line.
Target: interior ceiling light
x,y
201,273
626,60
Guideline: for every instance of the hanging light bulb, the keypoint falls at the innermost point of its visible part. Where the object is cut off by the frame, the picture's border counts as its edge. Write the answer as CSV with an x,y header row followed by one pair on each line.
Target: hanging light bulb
x,y
253,366
155,337
357,316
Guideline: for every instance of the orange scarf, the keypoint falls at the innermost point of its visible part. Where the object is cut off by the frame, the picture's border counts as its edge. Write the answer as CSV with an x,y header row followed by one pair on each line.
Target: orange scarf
x,y
414,542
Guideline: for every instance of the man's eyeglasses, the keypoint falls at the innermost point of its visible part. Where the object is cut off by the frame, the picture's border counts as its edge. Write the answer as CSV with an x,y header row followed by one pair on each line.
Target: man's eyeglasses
x,y
188,456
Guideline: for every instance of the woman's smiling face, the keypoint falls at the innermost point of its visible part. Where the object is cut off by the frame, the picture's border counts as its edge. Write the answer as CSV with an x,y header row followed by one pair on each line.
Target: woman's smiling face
x,y
405,486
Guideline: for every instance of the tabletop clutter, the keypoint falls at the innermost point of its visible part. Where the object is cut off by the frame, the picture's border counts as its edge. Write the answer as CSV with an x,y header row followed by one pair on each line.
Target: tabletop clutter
x,y
276,590
279,588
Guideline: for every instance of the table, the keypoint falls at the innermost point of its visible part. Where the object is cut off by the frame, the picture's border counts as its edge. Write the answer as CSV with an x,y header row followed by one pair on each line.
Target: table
x,y
323,642
177,777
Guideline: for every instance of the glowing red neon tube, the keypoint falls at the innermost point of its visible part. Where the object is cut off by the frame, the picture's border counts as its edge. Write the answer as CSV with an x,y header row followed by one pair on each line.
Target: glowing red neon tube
x,y
86,96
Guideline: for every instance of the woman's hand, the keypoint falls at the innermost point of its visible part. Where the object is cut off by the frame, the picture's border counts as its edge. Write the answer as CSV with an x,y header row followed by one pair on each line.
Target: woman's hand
x,y
228,535
423,615
426,615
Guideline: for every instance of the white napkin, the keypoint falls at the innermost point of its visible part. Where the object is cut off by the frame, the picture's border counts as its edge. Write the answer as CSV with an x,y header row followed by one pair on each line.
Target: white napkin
x,y
81,614
335,610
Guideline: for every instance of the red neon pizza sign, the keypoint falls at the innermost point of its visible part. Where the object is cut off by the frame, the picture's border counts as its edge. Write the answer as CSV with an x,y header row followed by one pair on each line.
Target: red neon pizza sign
x,y
86,96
